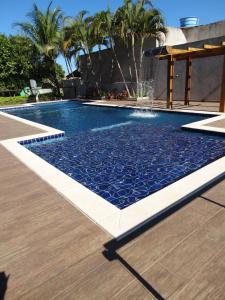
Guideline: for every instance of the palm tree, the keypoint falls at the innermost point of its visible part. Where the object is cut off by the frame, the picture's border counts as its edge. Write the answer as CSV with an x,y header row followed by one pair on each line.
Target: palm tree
x,y
69,45
100,36
107,26
65,44
151,24
44,31
131,23
82,39
136,22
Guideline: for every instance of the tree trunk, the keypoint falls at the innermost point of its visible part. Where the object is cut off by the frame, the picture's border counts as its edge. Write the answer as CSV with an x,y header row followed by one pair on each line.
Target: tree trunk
x,y
67,66
121,71
55,76
134,58
100,67
141,56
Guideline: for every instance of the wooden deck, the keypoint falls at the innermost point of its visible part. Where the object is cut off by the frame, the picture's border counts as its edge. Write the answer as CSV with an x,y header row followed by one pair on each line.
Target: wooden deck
x,y
160,104
12,129
51,250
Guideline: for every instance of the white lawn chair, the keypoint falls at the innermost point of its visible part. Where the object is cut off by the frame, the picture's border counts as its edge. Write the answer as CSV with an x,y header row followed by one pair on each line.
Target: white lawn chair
x,y
36,91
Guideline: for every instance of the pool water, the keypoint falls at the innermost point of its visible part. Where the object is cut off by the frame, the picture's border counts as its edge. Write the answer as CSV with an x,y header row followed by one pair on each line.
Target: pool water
x,y
119,155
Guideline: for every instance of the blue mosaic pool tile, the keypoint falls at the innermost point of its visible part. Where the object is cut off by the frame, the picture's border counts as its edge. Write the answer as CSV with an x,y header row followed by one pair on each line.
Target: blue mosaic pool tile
x,y
127,164
41,139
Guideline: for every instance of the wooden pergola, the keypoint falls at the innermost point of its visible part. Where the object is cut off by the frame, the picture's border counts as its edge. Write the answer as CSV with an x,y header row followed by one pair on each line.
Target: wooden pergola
x,y
172,54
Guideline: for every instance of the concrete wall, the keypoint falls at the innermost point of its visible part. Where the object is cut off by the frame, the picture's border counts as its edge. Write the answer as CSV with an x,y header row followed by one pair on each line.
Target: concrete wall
x,y
106,72
73,88
69,89
207,72
202,32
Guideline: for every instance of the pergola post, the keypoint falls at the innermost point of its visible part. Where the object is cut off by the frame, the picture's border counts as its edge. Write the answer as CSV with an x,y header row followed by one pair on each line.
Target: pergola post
x,y
222,96
170,77
188,81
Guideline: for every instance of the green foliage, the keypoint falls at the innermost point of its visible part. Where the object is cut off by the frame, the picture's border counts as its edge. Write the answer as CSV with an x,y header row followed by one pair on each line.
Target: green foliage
x,y
48,97
133,22
47,34
60,73
44,30
20,61
15,61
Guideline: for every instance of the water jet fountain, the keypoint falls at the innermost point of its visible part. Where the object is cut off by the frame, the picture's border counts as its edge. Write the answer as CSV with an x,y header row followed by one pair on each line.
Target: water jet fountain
x,y
146,85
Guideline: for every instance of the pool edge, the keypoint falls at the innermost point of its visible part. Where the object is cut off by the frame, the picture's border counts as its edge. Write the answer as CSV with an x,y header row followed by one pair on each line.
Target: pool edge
x,y
116,222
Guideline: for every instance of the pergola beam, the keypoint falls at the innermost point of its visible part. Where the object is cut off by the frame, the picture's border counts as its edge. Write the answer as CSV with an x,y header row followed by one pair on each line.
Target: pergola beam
x,y
193,49
196,54
208,46
175,51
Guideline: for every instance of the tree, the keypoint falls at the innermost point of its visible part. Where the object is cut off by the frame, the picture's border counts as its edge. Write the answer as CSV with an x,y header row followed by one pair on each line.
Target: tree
x,y
129,26
80,34
108,28
100,37
136,22
20,61
16,61
44,31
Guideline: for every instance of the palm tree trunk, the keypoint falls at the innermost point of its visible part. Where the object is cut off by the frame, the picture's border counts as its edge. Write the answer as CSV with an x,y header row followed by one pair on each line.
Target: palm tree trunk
x,y
70,65
129,66
121,71
53,67
112,68
100,66
90,65
141,55
134,58
67,66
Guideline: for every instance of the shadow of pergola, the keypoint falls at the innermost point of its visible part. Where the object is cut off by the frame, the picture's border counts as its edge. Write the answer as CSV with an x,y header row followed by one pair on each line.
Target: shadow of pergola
x,y
111,247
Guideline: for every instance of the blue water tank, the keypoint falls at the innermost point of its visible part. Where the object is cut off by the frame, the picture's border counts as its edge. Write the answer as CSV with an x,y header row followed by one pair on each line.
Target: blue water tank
x,y
189,22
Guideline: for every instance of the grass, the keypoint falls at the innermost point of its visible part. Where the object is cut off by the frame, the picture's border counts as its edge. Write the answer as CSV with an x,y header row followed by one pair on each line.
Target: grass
x,y
16,100
13,100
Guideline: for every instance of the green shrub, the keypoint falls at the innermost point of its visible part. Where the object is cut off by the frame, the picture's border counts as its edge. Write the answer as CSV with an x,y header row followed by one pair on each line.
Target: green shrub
x,y
48,97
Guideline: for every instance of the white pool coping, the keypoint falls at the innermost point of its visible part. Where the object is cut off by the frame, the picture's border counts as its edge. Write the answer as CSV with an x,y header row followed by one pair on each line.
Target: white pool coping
x,y
111,219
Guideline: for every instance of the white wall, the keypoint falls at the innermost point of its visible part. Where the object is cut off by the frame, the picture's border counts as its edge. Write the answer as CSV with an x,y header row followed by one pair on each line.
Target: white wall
x,y
174,36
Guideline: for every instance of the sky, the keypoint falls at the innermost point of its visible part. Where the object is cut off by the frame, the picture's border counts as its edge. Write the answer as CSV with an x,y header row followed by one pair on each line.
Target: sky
x,y
207,11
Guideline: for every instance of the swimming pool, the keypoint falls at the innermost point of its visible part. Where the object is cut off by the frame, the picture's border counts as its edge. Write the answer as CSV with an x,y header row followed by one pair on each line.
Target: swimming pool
x,y
119,155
